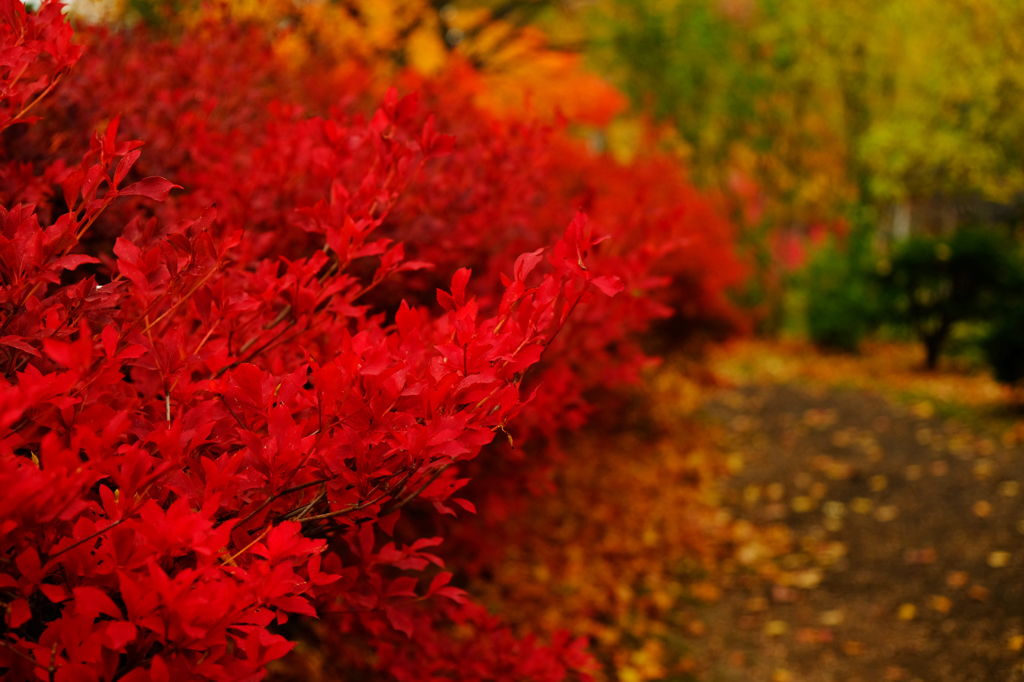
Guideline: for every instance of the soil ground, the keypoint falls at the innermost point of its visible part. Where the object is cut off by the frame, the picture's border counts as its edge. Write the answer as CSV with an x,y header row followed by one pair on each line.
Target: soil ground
x,y
903,503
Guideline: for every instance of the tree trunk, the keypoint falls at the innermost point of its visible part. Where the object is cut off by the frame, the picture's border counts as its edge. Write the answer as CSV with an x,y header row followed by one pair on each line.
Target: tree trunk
x,y
933,347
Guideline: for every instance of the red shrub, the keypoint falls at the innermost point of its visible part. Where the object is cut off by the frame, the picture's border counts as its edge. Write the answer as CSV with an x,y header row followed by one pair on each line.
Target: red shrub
x,y
215,408
208,441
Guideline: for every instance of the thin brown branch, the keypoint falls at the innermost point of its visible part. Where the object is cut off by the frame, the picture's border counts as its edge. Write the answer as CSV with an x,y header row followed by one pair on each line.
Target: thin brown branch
x,y
93,536
18,652
388,509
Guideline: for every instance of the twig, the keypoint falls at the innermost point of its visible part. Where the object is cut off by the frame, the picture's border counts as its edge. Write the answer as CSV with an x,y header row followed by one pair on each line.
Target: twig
x,y
22,654
93,536
409,498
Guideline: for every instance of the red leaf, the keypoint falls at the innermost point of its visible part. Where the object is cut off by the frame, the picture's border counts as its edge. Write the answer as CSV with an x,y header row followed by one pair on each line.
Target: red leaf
x,y
455,594
18,613
400,620
158,670
125,165
92,601
19,343
459,282
73,261
119,633
154,187
608,284
110,136
465,504
55,593
387,523
403,586
526,263
29,565
439,581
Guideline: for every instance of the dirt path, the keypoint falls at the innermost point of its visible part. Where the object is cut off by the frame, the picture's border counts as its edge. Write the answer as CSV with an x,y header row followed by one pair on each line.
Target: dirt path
x,y
906,536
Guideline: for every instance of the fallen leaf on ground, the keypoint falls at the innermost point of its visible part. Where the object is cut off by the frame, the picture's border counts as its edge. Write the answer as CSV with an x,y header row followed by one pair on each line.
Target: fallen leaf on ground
x,y
906,612
982,508
956,578
998,559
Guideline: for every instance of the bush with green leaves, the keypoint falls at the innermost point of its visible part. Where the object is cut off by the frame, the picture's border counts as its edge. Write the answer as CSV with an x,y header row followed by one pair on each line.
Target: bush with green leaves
x,y
841,293
1004,345
935,282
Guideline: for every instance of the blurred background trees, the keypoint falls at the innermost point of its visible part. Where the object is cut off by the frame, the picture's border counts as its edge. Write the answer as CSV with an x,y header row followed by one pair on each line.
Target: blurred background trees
x,y
899,120
886,104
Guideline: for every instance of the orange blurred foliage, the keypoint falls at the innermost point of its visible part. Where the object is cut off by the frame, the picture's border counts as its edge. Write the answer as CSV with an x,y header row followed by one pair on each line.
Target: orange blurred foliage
x,y
514,68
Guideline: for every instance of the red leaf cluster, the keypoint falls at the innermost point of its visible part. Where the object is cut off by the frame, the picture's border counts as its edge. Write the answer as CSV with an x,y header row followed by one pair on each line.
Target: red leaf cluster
x,y
217,403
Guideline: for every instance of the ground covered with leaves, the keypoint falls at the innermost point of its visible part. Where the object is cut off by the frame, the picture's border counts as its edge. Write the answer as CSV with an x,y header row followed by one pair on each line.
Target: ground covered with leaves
x,y
793,516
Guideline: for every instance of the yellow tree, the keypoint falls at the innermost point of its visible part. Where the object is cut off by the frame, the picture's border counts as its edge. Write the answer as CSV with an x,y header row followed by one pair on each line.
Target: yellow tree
x,y
825,104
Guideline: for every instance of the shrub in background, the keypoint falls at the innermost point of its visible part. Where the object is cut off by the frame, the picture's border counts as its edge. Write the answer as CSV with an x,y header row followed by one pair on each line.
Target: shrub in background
x,y
1004,345
935,282
842,299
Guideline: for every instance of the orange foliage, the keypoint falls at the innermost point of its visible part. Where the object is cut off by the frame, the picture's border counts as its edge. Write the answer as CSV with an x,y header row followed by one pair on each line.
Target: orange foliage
x,y
513,69
634,540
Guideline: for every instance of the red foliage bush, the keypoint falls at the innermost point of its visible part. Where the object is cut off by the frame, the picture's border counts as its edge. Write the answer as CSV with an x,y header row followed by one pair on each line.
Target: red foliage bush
x,y
215,408
507,187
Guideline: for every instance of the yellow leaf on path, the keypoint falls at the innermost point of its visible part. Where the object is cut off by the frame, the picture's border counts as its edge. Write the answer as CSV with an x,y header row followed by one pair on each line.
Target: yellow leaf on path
x,y
982,508
756,604
906,612
774,628
706,591
833,617
853,648
842,439
734,463
807,579
886,513
957,578
998,559
802,504
862,505
782,675
940,603
983,468
629,674
923,410
1015,643
920,556
833,509
1009,488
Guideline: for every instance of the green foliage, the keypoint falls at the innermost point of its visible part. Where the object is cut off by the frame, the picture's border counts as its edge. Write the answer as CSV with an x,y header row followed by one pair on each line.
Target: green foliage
x,y
934,282
1004,346
676,61
841,293
823,104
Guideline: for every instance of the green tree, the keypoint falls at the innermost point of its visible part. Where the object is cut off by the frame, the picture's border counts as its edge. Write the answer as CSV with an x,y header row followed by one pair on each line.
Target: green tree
x,y
863,101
